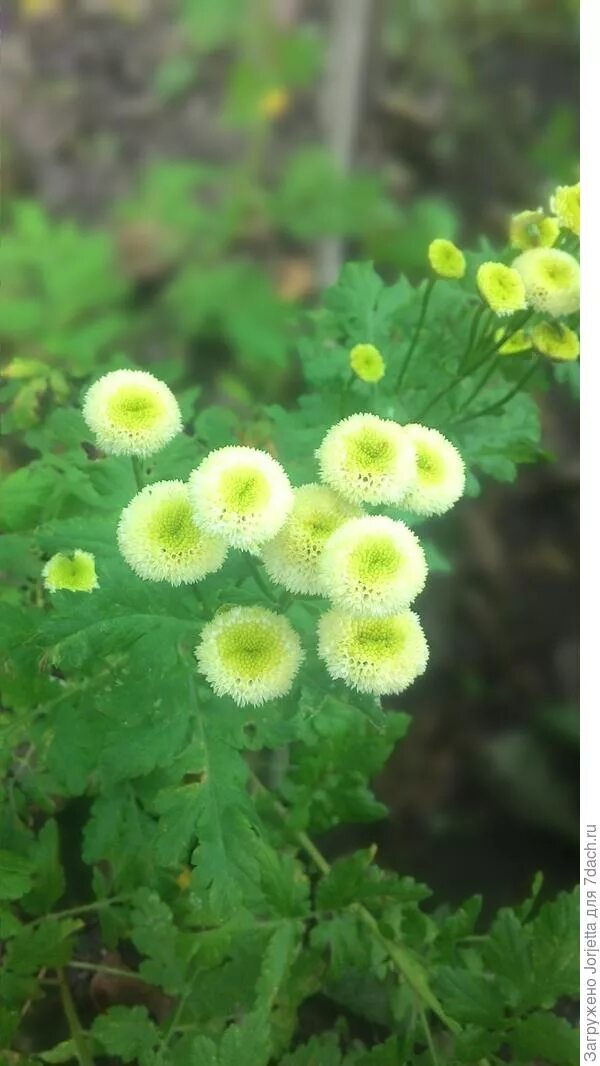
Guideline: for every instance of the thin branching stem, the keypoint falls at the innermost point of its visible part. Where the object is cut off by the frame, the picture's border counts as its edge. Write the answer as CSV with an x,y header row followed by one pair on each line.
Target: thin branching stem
x,y
428,1036
490,370
97,967
85,908
499,404
138,473
259,579
75,1028
481,362
413,344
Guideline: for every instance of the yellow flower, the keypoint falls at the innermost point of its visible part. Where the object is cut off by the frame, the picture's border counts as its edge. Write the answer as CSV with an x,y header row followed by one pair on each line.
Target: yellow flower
x,y
446,259
565,203
160,541
131,412
551,280
292,558
533,229
515,343
556,341
250,654
502,288
381,656
75,573
367,362
274,103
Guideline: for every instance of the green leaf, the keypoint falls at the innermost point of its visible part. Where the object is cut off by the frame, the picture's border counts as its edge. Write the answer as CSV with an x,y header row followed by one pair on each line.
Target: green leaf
x,y
34,947
119,832
126,1032
247,1042
48,875
277,960
538,960
544,1036
155,935
16,875
339,748
356,879
323,1050
66,1051
470,997
387,1054
474,1043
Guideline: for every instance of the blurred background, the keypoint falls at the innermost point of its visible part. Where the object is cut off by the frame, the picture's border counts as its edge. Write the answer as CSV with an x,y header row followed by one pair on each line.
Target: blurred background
x,y
180,176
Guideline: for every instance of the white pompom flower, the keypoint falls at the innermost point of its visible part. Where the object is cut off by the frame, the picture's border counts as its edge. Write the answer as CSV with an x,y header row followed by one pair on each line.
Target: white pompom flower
x,y
292,558
131,413
367,459
373,566
440,473
380,656
242,494
250,654
160,541
552,280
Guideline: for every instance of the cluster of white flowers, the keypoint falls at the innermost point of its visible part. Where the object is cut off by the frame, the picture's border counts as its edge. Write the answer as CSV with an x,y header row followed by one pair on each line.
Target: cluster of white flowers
x,y
313,540
373,567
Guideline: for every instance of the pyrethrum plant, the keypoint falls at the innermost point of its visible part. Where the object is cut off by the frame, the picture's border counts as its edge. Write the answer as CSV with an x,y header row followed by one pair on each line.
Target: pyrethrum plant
x,y
203,618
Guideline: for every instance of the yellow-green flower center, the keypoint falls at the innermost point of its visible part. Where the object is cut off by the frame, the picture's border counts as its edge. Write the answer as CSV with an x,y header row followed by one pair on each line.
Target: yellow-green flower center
x,y
430,467
375,560
318,527
370,452
76,573
248,650
558,275
172,529
244,490
375,639
133,408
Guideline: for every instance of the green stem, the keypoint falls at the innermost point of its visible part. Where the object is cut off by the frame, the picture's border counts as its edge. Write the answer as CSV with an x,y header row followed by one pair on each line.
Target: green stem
x,y
499,404
279,761
113,971
417,333
428,1037
85,908
516,326
479,314
138,473
460,377
311,849
259,579
345,393
75,1028
492,367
